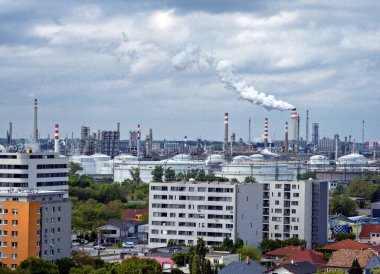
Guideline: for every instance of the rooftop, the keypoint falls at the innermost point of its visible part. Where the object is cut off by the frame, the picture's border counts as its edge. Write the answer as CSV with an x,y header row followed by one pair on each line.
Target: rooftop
x,y
346,244
367,229
343,258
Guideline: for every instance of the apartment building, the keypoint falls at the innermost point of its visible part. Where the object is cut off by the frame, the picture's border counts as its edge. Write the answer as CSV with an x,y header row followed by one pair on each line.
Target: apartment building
x,y
296,209
34,223
41,170
184,211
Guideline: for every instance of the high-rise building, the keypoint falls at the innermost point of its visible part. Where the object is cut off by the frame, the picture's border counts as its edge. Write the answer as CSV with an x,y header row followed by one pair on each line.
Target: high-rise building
x,y
34,223
184,211
40,170
288,212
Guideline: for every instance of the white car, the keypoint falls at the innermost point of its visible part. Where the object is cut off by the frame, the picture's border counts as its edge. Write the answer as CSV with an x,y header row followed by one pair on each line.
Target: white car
x,y
128,245
75,244
99,247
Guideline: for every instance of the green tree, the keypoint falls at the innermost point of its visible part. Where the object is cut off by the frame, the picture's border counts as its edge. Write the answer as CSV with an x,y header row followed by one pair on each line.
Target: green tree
x,y
176,271
343,236
181,258
195,265
5,270
234,180
249,251
135,174
359,188
307,175
179,177
267,245
74,168
64,265
338,190
239,243
34,265
355,268
169,175
157,173
201,176
228,244
250,180
135,265
343,204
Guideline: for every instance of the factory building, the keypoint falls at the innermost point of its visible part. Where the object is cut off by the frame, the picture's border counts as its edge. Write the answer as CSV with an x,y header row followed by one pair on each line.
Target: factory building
x,y
87,144
110,142
34,223
40,170
183,211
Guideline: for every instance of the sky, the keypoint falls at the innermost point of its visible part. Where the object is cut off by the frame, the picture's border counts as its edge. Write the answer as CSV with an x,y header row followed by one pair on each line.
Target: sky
x,y
97,63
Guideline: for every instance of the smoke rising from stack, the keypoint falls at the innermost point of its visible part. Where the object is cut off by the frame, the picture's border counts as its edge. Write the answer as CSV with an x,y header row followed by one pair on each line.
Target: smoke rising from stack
x,y
193,56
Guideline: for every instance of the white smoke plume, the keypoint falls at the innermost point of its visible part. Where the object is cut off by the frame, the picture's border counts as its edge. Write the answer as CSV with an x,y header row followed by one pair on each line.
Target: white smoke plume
x,y
194,56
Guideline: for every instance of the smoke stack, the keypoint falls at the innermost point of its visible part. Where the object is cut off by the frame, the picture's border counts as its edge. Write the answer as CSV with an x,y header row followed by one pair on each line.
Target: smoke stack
x,y
35,129
286,138
307,126
266,132
9,134
225,132
56,138
294,128
363,132
249,130
185,142
138,141
336,147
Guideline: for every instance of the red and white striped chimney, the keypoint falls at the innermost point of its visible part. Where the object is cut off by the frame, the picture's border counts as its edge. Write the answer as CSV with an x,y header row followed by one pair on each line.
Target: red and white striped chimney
x,y
226,132
286,145
56,138
266,132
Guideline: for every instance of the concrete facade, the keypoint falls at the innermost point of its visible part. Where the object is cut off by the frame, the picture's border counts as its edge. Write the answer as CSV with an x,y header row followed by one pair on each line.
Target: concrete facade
x,y
45,170
184,211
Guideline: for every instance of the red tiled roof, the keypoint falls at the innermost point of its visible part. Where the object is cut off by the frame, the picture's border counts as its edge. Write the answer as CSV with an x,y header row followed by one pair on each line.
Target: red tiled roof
x,y
298,254
287,251
368,229
346,244
343,258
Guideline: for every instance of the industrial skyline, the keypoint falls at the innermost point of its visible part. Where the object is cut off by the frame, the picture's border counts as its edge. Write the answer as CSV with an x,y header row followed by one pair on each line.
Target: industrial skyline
x,y
98,64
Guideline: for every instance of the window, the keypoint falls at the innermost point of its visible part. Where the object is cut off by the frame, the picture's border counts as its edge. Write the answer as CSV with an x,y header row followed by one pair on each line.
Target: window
x,y
52,220
58,229
296,195
59,208
5,222
279,194
5,210
294,211
14,233
276,202
58,251
295,227
14,223
38,222
294,186
295,203
278,186
5,233
14,244
278,210
53,209
276,227
4,244
37,244
13,266
15,212
14,256
4,255
58,219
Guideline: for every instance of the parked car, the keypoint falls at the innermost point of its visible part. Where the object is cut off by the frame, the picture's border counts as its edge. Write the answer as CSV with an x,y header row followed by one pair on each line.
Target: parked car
x,y
83,241
128,244
75,244
99,247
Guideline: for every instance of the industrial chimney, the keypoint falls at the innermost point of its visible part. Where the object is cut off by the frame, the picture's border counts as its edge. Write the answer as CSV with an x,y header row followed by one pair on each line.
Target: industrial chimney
x,y
56,138
225,133
286,138
294,128
35,129
138,141
185,143
266,132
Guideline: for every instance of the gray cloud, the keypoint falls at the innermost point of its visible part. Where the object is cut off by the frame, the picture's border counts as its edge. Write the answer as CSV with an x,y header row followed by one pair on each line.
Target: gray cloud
x,y
320,56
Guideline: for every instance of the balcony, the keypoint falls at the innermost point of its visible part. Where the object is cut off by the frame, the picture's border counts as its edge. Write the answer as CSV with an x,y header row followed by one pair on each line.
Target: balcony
x,y
265,219
265,203
265,211
265,227
287,212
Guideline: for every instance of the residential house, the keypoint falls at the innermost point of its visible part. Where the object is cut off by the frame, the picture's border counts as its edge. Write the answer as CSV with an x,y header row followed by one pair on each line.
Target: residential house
x,y
222,257
370,234
345,244
117,230
294,268
248,266
343,259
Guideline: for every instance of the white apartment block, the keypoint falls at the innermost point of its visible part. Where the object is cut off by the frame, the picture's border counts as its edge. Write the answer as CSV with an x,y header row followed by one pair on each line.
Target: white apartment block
x,y
40,170
296,209
184,211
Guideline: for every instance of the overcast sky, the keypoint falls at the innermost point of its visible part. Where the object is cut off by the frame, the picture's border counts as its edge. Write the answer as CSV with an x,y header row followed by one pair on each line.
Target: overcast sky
x,y
97,63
